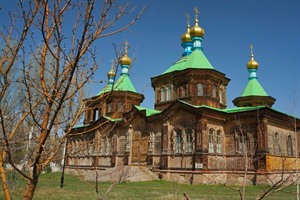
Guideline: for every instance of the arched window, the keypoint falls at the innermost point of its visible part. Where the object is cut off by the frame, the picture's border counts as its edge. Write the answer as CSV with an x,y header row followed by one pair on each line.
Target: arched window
x,y
189,141
276,144
244,143
178,144
114,143
103,145
289,146
219,142
169,92
163,94
121,106
199,89
242,146
109,107
221,96
108,145
211,141
182,91
214,91
96,114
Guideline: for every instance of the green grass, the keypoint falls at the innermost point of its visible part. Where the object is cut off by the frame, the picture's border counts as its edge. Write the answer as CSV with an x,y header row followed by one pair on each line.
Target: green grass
x,y
75,188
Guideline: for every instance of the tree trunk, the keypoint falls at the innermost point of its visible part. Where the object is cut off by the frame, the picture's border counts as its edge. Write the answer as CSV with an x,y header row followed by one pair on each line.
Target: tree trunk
x,y
30,189
5,187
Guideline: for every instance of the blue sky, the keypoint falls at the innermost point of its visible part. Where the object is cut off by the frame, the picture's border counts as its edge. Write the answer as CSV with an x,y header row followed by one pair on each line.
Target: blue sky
x,y
272,26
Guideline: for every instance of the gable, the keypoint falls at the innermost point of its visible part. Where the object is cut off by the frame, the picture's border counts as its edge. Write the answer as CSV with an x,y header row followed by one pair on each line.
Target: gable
x,y
182,116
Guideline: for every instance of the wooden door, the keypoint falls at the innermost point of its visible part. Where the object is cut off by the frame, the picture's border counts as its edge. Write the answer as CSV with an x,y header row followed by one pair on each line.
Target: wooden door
x,y
139,149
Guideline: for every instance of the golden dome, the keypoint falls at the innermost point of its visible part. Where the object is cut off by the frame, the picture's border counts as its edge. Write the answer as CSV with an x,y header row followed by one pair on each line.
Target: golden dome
x,y
111,73
125,60
186,37
252,64
197,30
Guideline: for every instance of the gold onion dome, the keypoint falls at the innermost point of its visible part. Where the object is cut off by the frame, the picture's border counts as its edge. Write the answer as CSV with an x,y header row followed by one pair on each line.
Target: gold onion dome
x,y
125,60
111,73
197,30
186,37
252,64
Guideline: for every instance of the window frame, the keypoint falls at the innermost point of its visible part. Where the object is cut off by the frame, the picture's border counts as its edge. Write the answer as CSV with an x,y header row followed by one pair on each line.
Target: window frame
x,y
189,141
219,142
178,141
214,91
289,145
211,148
169,93
163,94
200,89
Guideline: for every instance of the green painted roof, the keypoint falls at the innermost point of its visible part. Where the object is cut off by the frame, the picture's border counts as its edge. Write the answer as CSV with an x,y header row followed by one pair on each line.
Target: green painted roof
x,y
112,119
80,125
149,112
242,109
197,60
236,109
178,65
122,84
228,110
105,89
254,88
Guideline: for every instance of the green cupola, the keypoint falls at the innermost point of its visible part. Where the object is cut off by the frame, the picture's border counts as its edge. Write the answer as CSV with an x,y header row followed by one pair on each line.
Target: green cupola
x,y
254,94
192,78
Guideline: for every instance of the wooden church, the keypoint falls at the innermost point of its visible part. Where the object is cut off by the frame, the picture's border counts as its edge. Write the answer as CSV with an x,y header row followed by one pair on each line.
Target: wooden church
x,y
190,135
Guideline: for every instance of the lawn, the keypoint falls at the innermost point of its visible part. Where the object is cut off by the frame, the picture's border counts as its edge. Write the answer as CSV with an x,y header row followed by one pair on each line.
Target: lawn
x,y
75,188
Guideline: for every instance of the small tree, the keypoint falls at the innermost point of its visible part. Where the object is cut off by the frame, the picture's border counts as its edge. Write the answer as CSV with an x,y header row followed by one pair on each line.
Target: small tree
x,y
284,178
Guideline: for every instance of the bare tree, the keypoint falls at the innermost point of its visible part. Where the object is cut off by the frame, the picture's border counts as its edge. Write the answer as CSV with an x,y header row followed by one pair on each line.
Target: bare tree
x,y
118,175
53,65
248,154
278,180
294,106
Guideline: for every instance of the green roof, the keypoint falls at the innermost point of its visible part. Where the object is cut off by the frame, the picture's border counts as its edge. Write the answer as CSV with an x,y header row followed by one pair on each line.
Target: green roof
x,y
80,125
228,110
149,112
178,65
242,109
105,89
254,88
197,60
123,84
112,119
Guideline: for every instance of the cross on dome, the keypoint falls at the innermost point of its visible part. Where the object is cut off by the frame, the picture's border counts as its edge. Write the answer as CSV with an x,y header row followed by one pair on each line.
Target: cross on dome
x,y
126,46
197,31
112,73
251,49
196,12
188,19
125,60
252,64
